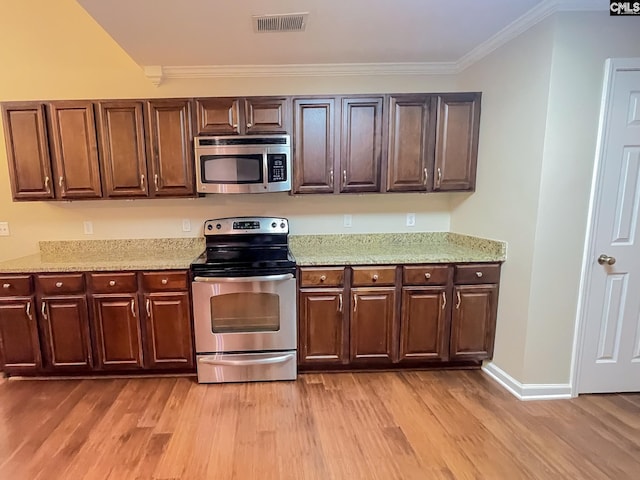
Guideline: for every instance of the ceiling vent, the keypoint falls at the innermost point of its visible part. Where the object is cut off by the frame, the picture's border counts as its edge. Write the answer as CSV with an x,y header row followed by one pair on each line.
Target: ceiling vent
x,y
288,22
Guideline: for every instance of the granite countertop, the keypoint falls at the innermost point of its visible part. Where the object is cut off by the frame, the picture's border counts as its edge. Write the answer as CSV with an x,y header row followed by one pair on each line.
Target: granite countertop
x,y
108,255
395,248
178,253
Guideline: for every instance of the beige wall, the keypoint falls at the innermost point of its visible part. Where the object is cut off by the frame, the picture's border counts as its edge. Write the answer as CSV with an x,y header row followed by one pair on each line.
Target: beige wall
x,y
56,51
539,125
515,88
582,43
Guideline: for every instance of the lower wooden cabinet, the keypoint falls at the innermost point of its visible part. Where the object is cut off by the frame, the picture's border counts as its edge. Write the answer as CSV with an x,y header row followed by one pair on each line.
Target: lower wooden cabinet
x,y
117,331
424,326
64,323
473,322
168,330
52,324
419,315
372,322
322,327
19,341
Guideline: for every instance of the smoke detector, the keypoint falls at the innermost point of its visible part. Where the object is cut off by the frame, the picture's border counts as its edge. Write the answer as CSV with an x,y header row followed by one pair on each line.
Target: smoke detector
x,y
286,22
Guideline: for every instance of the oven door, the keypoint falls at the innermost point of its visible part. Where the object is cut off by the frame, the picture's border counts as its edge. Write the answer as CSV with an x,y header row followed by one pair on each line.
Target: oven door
x,y
244,314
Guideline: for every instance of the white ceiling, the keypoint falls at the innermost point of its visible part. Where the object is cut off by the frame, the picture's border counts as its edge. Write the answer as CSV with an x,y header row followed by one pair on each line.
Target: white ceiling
x,y
220,32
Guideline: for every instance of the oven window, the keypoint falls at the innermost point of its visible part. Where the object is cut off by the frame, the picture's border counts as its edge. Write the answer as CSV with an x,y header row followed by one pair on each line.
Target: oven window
x,y
245,312
234,169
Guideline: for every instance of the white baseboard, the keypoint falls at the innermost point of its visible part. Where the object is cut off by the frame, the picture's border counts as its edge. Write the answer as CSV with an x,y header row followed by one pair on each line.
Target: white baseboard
x,y
524,391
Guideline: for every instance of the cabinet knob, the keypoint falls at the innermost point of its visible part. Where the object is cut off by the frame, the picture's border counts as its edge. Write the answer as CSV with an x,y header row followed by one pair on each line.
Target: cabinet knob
x,y
249,125
112,283
375,278
323,278
427,275
6,285
479,274
58,284
164,281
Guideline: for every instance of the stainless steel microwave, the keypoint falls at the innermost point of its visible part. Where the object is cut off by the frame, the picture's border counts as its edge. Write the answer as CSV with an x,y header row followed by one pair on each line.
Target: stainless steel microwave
x,y
243,164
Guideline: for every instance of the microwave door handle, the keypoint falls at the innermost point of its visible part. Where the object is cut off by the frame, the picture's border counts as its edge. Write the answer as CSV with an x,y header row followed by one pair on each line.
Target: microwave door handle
x,y
263,278
265,169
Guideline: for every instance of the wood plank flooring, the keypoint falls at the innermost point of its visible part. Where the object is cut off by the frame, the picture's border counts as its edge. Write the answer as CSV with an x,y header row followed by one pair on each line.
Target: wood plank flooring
x,y
391,425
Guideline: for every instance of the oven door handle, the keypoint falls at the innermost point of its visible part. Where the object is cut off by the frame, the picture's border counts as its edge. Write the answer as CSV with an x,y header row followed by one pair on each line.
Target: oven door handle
x,y
247,363
265,278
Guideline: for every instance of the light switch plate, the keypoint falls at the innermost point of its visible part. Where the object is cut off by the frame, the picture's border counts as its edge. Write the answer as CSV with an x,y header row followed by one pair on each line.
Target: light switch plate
x,y
88,227
347,221
411,219
4,229
186,225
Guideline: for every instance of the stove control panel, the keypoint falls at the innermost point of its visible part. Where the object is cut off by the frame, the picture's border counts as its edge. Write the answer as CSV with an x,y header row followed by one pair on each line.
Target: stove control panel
x,y
246,225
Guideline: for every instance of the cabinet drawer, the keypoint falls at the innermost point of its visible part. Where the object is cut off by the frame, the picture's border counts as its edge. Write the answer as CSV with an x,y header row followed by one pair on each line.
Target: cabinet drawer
x,y
365,276
477,273
154,281
15,286
426,275
113,282
60,284
319,277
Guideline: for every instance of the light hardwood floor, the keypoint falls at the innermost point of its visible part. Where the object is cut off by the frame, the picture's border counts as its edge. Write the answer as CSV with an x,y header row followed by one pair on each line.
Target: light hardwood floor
x,y
411,425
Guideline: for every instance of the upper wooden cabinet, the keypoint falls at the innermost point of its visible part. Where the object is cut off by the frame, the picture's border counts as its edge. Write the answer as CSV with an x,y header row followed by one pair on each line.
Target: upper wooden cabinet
x,y
242,116
313,145
410,143
74,150
360,144
123,157
25,133
170,143
327,159
456,147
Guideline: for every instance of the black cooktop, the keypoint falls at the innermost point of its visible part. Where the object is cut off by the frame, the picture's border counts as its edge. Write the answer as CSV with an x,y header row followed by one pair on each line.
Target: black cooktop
x,y
245,247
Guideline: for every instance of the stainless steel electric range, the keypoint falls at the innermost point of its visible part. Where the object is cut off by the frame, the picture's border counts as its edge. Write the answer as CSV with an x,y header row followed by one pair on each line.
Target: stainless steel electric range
x,y
244,301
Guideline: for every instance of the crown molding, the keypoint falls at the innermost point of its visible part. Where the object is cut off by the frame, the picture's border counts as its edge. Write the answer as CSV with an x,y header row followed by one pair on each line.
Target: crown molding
x,y
157,73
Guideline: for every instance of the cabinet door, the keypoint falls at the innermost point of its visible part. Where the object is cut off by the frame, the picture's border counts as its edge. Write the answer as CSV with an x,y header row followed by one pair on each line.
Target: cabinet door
x,y
424,326
117,331
361,145
313,145
372,325
322,329
410,153
25,133
218,116
473,322
19,343
169,338
65,332
457,125
123,158
75,149
266,115
170,144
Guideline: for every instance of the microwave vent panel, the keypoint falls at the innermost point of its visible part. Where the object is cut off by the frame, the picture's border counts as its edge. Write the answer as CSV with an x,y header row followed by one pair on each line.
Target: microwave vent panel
x,y
289,22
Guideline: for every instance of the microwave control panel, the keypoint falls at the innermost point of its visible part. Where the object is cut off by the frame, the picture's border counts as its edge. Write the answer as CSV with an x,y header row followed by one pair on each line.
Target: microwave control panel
x,y
277,167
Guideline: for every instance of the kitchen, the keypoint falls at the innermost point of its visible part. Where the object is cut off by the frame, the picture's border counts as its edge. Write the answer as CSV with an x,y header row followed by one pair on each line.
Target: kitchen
x,y
58,66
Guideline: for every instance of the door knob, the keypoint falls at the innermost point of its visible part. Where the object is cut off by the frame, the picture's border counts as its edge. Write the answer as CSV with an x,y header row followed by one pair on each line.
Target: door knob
x,y
606,260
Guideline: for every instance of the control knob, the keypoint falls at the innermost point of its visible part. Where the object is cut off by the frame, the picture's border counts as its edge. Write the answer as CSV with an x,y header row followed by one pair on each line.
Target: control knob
x,y
218,226
209,227
274,225
282,225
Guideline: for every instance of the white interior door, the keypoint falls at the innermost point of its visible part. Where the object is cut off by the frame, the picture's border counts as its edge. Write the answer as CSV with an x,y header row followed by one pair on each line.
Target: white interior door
x,y
609,360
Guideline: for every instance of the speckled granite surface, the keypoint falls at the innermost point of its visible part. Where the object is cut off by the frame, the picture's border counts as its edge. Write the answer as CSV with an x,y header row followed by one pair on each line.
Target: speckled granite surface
x,y
178,253
103,255
395,248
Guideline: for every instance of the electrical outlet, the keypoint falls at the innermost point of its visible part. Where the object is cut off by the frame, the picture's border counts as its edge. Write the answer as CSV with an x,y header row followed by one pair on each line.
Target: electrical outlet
x,y
347,220
186,225
88,228
4,229
411,219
